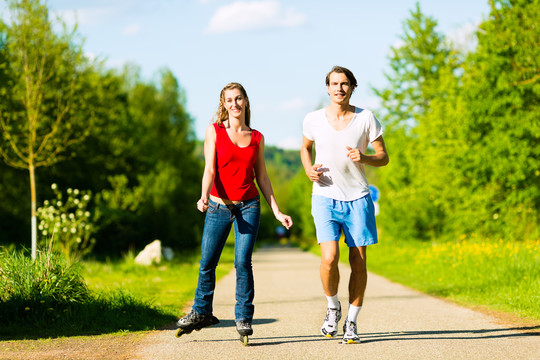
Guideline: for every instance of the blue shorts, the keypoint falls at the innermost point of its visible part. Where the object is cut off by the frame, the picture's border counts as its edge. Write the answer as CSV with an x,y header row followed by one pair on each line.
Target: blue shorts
x,y
356,218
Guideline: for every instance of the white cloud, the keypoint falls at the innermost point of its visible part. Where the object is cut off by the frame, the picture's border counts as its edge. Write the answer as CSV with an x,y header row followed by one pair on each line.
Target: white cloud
x,y
293,104
132,29
242,15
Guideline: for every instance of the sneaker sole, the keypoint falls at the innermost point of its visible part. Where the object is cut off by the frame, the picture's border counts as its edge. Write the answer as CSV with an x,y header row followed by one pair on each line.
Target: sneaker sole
x,y
328,335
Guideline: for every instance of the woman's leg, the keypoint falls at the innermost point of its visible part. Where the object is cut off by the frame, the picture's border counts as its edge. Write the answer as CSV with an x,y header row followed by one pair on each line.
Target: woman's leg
x,y
217,226
246,227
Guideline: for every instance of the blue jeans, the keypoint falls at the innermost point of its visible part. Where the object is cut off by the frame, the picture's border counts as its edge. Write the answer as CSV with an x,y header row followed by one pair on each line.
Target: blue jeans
x,y
217,225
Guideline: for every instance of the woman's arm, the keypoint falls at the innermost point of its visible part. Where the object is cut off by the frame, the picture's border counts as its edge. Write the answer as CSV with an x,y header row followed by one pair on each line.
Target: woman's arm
x,y
266,187
209,167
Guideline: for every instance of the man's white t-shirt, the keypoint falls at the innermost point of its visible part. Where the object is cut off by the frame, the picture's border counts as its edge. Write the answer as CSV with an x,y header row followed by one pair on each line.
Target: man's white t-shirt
x,y
342,178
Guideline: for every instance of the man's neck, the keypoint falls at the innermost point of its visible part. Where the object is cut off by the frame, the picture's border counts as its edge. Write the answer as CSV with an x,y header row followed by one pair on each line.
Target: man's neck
x,y
339,110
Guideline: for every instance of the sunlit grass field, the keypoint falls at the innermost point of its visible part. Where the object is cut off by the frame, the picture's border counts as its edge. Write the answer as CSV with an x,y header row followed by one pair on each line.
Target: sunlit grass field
x,y
169,286
499,275
491,274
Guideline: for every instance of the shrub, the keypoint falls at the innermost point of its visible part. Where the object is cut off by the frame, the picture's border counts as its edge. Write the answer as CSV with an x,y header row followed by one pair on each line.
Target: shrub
x,y
68,225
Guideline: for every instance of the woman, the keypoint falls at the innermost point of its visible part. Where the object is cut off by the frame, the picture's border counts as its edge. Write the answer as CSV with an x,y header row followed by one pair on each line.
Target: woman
x,y
234,158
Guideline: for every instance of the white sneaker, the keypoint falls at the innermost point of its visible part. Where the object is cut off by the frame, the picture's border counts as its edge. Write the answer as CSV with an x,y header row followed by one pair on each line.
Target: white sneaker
x,y
329,327
349,333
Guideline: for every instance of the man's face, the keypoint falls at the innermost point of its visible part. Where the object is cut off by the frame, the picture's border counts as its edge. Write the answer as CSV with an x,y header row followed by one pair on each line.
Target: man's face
x,y
339,88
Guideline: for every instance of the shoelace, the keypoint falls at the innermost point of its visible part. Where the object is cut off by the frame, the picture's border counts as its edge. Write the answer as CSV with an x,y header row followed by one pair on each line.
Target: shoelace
x,y
331,315
350,328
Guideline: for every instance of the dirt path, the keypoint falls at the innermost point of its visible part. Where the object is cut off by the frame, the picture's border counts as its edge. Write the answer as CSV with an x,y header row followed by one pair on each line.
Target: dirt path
x,y
395,323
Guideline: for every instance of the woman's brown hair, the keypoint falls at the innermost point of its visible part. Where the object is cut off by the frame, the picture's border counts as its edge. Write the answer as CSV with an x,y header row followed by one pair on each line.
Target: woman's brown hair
x,y
222,114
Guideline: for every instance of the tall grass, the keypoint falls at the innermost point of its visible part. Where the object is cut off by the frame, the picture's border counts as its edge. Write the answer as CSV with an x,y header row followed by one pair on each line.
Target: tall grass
x,y
49,297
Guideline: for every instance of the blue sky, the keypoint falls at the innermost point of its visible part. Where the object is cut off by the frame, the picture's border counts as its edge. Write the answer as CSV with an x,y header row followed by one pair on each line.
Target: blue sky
x,y
279,50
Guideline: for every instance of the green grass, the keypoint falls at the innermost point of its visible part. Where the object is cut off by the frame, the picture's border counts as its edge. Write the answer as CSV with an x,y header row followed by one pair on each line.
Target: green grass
x,y
503,276
50,298
169,286
493,275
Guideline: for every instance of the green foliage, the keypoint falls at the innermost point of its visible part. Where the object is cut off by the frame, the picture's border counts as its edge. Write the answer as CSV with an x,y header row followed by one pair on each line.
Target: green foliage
x,y
422,74
502,92
114,131
45,88
48,297
67,225
462,131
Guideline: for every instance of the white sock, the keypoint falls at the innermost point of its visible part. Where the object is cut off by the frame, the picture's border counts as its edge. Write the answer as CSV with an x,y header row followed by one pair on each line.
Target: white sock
x,y
333,302
352,315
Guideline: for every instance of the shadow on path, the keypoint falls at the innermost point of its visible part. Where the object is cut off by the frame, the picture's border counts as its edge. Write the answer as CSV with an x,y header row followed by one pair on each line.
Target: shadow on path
x,y
451,334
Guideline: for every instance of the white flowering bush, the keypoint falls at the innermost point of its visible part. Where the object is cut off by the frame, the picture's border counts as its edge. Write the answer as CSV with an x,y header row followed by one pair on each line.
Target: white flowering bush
x,y
66,224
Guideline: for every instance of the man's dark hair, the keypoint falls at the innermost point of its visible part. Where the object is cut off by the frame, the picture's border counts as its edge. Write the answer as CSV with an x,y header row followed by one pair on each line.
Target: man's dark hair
x,y
348,73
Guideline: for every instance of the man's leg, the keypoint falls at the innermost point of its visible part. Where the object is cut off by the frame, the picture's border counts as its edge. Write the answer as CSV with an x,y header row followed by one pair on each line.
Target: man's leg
x,y
329,267
357,287
330,282
358,279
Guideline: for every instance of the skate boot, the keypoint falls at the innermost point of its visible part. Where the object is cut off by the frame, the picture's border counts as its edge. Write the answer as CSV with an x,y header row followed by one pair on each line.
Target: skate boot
x,y
349,333
244,329
329,327
194,321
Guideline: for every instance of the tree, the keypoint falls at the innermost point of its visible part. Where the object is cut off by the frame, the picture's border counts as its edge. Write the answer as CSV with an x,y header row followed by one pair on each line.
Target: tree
x,y
419,66
43,103
502,92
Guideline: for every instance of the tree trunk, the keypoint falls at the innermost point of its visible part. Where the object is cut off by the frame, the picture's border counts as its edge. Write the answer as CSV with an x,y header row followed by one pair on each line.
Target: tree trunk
x,y
34,212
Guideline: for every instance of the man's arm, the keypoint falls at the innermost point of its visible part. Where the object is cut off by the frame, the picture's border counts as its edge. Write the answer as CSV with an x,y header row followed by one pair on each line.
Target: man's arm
x,y
306,155
380,158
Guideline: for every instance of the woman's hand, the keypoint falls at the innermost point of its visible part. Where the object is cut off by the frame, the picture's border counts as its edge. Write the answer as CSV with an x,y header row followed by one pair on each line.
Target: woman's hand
x,y
285,220
202,204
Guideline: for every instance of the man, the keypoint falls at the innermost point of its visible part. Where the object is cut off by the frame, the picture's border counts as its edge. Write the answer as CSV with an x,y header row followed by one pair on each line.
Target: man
x,y
340,200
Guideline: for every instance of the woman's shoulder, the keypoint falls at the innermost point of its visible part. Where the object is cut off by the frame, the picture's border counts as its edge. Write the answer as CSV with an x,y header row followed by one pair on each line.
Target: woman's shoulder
x,y
256,135
212,130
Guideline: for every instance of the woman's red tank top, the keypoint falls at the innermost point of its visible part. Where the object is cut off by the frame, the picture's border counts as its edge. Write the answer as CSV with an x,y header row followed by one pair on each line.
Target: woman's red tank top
x,y
235,172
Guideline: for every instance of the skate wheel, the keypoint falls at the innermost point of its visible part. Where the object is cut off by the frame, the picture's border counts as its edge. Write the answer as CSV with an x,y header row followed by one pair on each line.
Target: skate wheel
x,y
244,340
180,332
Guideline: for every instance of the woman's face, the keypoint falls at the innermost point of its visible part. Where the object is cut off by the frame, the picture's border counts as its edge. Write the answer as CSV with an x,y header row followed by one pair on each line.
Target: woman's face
x,y
235,103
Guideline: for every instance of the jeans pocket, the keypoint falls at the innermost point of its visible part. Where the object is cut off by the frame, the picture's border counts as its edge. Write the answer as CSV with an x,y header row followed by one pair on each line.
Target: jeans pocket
x,y
212,207
254,204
